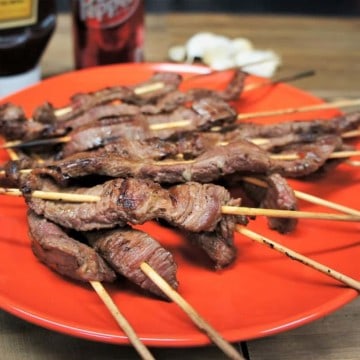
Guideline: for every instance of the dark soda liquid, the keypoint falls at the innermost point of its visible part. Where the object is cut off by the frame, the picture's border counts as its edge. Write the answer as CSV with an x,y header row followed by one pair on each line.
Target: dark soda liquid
x,y
22,47
101,41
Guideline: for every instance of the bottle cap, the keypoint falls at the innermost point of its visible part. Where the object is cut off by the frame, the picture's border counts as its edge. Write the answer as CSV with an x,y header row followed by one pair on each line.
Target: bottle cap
x,y
13,83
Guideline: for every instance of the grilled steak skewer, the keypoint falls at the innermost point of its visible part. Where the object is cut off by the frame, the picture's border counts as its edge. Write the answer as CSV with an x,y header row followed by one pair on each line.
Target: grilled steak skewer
x,y
241,157
192,206
87,108
203,114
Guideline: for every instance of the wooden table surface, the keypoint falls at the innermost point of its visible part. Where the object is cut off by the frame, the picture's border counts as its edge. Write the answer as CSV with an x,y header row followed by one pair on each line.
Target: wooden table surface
x,y
331,46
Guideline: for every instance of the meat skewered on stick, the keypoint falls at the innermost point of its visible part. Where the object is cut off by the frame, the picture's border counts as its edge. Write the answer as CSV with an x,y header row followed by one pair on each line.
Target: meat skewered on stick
x,y
286,111
49,239
228,210
308,197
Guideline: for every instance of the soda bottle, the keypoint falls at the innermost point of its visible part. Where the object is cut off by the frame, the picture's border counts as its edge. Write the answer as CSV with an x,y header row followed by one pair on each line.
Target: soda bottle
x,y
107,31
25,29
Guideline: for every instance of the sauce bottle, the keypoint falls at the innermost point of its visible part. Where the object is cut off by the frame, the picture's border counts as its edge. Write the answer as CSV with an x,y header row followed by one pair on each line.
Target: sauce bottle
x,y
107,31
25,29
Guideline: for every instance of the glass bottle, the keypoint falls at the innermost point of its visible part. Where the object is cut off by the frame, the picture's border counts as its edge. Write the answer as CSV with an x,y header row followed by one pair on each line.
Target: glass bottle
x,y
107,31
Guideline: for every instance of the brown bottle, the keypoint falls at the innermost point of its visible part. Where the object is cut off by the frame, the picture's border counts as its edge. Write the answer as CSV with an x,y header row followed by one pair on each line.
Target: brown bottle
x,y
25,29
107,31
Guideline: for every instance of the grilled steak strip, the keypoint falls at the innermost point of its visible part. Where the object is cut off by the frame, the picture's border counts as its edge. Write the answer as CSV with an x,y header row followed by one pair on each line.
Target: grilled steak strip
x,y
204,114
193,207
240,157
80,103
219,244
336,125
15,126
65,255
126,248
278,195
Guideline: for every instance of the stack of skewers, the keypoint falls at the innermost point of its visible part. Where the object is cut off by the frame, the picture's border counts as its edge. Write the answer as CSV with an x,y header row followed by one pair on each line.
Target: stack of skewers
x,y
117,158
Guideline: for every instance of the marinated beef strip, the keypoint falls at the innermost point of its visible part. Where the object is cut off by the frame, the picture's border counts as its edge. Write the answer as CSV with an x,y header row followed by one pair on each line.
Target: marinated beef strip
x,y
172,100
219,244
82,102
65,255
125,249
204,114
99,113
277,195
15,126
192,206
335,125
312,157
98,134
240,157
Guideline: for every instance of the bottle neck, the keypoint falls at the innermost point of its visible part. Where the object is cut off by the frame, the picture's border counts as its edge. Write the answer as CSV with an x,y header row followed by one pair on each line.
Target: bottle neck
x,y
12,83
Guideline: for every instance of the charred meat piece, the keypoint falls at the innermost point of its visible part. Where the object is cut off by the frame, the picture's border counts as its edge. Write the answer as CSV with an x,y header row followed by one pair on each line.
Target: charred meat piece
x,y
80,103
69,257
98,113
277,195
205,114
231,93
219,244
98,134
311,156
15,126
238,157
126,248
193,207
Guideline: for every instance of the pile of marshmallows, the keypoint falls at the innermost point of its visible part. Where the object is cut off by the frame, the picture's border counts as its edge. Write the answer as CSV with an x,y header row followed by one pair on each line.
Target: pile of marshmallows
x,y
221,53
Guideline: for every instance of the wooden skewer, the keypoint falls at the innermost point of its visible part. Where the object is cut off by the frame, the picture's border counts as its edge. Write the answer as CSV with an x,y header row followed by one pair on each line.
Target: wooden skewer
x,y
331,105
121,320
353,162
36,142
308,197
350,134
352,283
203,325
247,211
140,90
262,141
229,210
52,195
282,79
334,155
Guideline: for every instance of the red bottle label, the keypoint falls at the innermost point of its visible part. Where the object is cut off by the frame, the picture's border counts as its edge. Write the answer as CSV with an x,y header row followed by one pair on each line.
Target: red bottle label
x,y
106,13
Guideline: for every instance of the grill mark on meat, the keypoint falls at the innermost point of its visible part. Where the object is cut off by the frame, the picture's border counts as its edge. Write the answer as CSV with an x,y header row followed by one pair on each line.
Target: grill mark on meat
x,y
125,249
65,255
192,206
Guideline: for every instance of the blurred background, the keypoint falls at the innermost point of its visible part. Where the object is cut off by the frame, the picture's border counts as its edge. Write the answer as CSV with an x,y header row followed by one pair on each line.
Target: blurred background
x,y
316,7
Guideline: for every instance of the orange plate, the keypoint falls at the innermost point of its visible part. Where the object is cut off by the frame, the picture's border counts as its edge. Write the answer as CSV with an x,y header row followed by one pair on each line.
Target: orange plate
x,y
262,294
